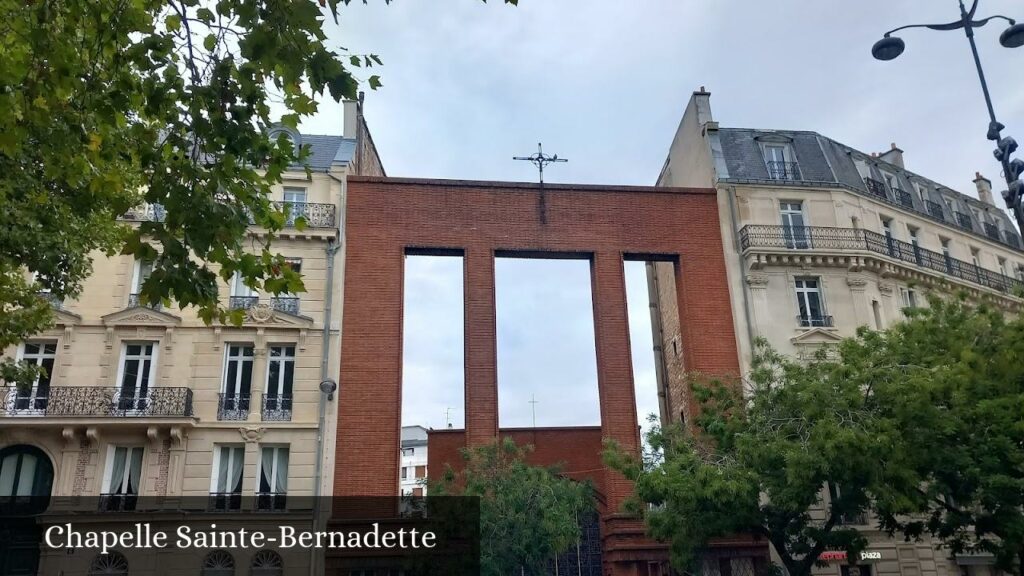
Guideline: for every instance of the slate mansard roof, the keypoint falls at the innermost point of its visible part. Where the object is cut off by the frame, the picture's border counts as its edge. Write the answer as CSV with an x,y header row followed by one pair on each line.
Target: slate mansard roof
x,y
325,151
823,162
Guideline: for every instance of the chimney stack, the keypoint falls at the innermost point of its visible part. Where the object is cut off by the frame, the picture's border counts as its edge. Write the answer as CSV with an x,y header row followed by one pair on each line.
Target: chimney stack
x,y
893,156
350,109
984,189
702,101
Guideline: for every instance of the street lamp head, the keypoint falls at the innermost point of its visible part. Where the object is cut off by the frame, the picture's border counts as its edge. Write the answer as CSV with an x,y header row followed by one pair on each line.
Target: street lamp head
x,y
328,387
1013,37
888,48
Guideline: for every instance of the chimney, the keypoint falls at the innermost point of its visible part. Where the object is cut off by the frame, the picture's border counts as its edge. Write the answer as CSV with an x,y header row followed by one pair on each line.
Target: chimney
x,y
984,189
893,156
702,100
350,110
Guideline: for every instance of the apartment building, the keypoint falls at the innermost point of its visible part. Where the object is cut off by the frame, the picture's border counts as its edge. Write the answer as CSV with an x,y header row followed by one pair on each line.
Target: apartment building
x,y
412,473
147,402
821,238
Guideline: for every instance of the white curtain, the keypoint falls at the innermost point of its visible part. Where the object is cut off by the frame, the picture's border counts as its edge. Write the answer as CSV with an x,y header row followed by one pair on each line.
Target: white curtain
x,y
28,474
281,482
222,469
7,471
266,470
135,472
117,470
236,470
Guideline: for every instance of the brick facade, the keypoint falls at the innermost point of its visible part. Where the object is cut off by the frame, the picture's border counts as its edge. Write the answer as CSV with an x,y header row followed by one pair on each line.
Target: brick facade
x,y
390,217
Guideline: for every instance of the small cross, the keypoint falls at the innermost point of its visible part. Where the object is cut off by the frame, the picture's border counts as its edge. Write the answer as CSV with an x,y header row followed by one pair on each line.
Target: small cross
x,y
540,160
533,408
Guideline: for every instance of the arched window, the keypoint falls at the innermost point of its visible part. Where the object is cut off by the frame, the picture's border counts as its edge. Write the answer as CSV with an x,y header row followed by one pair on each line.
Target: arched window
x,y
110,564
218,563
26,477
267,563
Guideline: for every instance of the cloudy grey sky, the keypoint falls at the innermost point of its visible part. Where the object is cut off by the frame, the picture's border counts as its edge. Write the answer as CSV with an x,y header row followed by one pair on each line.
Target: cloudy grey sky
x,y
604,82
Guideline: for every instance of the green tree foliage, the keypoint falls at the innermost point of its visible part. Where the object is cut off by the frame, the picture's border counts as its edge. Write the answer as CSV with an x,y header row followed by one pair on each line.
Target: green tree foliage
x,y
528,514
952,380
108,104
795,463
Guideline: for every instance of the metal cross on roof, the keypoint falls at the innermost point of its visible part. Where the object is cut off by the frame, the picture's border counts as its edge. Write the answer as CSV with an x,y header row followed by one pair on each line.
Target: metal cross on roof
x,y
540,160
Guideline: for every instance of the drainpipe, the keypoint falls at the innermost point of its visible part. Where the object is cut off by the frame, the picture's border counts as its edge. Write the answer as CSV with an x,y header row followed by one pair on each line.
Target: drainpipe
x,y
747,312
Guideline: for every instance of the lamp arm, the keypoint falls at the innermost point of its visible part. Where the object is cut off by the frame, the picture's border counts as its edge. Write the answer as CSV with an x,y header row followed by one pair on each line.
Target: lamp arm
x,y
951,26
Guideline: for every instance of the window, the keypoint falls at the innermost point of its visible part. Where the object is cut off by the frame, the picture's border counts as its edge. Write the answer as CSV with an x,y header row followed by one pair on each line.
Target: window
x,y
915,242
921,193
909,297
35,399
809,303
295,203
226,482
286,301
876,309
1020,272
26,477
218,563
779,168
136,374
143,270
235,394
1002,266
405,472
122,478
421,471
891,182
794,228
110,564
242,296
946,254
835,501
277,401
273,478
887,227
267,563
858,570
975,258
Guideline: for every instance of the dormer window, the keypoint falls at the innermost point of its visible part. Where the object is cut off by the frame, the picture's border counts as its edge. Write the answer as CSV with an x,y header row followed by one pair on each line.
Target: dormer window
x,y
779,161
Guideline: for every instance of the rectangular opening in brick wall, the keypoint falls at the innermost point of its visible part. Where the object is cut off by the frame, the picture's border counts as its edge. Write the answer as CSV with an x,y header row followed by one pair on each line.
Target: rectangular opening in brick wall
x,y
433,376
645,356
547,364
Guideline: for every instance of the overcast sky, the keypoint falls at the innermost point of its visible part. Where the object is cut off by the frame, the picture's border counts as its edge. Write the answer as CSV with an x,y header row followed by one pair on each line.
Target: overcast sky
x,y
604,83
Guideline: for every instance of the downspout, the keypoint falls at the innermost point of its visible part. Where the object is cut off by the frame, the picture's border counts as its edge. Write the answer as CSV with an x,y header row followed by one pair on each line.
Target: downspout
x,y
747,312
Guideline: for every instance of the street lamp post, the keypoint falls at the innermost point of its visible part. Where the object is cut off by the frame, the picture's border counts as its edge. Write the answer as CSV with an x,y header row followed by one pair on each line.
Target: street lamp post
x,y
890,47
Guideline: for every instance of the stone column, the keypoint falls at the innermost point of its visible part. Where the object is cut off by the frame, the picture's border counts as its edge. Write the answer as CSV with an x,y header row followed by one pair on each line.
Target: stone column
x,y
481,348
861,312
758,284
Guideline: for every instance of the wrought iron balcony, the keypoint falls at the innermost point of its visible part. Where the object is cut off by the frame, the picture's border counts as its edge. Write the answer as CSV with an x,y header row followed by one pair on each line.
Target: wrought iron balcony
x,y
904,198
992,231
146,213
783,170
276,408
935,210
876,188
134,300
96,401
289,304
233,406
118,502
963,220
840,239
271,501
814,321
242,302
225,501
315,215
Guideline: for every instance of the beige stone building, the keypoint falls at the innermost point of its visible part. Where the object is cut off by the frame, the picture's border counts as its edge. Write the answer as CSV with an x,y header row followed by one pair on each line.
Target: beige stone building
x,y
146,402
820,239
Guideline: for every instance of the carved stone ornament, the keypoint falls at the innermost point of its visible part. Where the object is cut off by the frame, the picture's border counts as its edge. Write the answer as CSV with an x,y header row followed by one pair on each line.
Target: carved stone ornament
x,y
856,283
885,289
757,280
252,434
261,313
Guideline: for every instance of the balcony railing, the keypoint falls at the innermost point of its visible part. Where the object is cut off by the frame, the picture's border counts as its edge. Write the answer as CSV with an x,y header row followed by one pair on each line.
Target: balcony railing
x,y
96,401
276,408
233,406
963,220
242,302
876,187
134,300
821,238
315,215
814,321
992,231
271,501
904,198
934,209
783,170
289,304
225,501
118,502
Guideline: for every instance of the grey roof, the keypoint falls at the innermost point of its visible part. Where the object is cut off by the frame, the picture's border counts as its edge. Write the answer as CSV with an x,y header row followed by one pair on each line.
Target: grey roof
x,y
823,162
326,151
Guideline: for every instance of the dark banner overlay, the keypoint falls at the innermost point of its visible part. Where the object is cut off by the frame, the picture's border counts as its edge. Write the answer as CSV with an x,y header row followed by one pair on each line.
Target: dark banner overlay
x,y
228,535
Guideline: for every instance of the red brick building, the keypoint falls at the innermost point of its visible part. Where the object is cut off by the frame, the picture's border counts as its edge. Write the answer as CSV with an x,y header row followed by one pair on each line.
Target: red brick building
x,y
388,218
